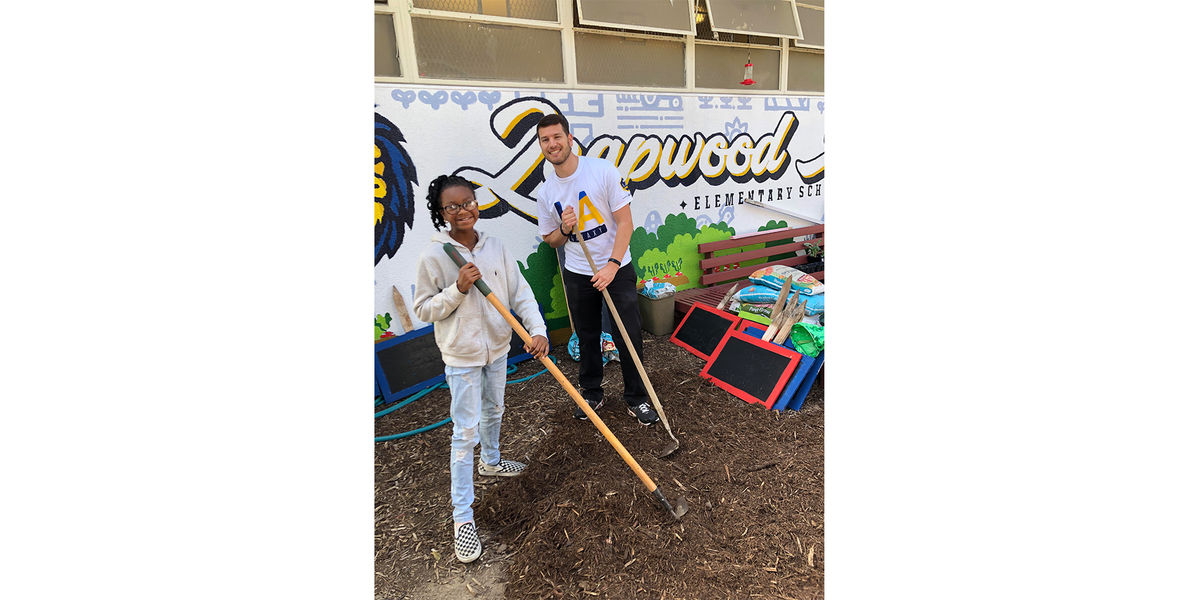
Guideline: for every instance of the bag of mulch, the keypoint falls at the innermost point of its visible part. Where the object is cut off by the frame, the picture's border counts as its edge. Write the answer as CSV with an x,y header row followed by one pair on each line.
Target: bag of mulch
x,y
758,309
755,317
761,295
815,304
757,294
774,276
657,289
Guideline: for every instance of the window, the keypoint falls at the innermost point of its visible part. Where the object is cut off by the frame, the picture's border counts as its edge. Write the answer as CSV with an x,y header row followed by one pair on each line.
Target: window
x,y
659,45
776,18
723,67
812,26
387,60
448,49
644,15
633,61
806,71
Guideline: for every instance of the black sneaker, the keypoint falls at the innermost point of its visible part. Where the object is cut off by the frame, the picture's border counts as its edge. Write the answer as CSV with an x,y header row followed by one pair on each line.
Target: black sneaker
x,y
645,414
579,414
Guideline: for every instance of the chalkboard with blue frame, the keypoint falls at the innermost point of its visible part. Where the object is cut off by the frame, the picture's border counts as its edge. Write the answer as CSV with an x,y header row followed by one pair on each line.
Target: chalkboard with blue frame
x,y
793,394
409,363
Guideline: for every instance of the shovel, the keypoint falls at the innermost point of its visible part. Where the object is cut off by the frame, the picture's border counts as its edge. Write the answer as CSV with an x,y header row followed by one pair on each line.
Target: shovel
x,y
681,506
673,445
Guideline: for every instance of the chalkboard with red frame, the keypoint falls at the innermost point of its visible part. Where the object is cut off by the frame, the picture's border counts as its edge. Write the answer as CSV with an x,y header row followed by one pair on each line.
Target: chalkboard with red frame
x,y
749,368
702,328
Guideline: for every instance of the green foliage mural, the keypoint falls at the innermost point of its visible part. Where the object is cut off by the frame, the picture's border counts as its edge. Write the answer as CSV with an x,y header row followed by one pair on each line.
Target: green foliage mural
x,y
382,322
670,252
773,224
541,271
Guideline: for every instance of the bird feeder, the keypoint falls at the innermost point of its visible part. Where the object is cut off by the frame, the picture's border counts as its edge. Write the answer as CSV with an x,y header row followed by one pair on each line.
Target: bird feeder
x,y
749,80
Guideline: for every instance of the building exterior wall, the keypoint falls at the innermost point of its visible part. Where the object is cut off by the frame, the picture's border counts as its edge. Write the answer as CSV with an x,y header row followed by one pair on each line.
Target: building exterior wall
x,y
701,168
460,83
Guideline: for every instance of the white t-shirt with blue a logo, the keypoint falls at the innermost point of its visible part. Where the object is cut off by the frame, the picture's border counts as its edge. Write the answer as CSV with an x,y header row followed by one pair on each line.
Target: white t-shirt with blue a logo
x,y
595,191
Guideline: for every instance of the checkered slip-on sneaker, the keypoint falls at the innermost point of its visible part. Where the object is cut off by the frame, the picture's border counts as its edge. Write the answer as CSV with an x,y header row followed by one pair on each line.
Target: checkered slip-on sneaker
x,y
506,468
644,413
466,543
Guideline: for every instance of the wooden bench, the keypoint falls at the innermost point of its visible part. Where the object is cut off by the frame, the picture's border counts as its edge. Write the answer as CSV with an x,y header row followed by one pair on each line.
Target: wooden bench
x,y
714,284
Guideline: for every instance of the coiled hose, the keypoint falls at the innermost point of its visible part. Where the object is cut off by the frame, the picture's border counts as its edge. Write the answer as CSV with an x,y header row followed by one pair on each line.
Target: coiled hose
x,y
379,400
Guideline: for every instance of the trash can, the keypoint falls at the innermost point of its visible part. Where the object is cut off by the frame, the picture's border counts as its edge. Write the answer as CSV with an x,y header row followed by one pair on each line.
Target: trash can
x,y
658,314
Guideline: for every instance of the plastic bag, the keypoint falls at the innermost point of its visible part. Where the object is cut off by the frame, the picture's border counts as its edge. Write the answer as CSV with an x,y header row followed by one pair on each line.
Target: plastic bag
x,y
608,348
808,339
657,289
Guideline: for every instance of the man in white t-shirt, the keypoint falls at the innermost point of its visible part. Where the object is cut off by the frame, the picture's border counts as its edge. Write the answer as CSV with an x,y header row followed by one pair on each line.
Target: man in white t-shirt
x,y
588,193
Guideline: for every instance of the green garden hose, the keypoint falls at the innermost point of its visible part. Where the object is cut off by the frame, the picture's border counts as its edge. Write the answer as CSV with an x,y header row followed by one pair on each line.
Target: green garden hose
x,y
511,369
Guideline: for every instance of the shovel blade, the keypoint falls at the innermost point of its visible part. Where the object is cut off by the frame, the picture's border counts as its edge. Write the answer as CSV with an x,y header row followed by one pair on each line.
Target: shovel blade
x,y
676,511
681,508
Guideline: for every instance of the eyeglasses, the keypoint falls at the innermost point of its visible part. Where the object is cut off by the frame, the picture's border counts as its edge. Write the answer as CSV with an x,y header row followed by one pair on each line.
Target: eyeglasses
x,y
453,208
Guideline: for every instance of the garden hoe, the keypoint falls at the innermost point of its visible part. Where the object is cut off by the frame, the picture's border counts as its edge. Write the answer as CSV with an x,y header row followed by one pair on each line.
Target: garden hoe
x,y
673,446
681,506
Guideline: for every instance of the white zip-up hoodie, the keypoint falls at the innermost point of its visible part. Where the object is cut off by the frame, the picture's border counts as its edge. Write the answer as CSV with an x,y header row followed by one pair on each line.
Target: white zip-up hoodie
x,y
469,331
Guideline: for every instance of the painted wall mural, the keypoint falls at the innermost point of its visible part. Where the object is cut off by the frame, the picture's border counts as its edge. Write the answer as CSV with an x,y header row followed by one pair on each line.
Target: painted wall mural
x,y
700,169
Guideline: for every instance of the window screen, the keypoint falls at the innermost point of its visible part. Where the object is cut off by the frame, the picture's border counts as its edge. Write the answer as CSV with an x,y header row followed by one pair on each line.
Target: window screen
x,y
467,50
646,15
387,63
806,72
812,25
723,67
541,10
764,17
610,59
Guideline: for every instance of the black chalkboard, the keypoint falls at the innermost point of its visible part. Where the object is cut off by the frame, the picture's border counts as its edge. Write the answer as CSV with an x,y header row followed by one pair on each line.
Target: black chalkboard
x,y
408,363
702,329
750,368
412,362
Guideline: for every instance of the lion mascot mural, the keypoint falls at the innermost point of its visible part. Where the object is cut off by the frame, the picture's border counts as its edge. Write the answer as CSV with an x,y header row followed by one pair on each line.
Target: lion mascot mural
x,y
394,179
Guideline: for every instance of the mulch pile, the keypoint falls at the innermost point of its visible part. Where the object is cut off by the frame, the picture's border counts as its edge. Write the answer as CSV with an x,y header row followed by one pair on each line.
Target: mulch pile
x,y
579,524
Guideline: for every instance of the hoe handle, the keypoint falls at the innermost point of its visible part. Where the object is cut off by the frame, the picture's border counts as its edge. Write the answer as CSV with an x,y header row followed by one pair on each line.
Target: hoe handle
x,y
637,361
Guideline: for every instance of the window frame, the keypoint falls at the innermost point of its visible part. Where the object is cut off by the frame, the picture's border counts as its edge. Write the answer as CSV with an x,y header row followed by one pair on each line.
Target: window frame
x,y
800,43
795,21
402,19
636,36
691,22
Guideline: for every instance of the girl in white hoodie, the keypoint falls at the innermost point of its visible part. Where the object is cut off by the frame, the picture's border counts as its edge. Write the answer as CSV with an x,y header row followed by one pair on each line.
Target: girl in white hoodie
x,y
474,341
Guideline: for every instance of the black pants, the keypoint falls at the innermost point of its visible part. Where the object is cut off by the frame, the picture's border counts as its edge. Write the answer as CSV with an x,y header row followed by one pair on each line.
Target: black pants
x,y
585,302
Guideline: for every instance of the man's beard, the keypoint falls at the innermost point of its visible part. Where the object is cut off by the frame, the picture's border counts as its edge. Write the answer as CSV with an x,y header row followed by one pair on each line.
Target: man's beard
x,y
566,155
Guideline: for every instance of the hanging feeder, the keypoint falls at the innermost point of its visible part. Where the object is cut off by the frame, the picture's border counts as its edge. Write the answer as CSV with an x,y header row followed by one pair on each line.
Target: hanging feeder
x,y
749,80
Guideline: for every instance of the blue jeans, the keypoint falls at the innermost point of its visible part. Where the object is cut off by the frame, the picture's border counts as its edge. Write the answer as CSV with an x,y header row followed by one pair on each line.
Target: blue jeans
x,y
476,405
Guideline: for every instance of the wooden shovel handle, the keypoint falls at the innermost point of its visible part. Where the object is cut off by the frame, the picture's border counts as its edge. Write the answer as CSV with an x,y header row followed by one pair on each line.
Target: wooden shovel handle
x,y
562,379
